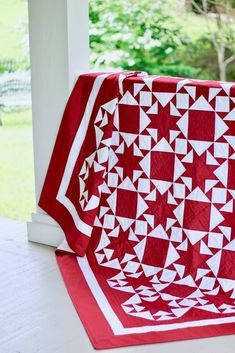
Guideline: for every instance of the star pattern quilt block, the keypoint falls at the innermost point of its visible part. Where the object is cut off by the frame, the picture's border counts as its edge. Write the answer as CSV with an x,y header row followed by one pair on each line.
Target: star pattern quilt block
x,y
144,192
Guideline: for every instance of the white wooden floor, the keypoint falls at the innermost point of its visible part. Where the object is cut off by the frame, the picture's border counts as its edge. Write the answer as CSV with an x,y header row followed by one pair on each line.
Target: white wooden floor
x,y
36,314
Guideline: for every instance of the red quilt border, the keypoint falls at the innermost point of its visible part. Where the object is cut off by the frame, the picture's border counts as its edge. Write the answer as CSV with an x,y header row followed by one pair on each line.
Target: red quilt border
x,y
98,329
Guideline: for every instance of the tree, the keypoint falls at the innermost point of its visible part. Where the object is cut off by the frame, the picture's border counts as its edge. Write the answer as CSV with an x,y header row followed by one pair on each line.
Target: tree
x,y
133,35
220,24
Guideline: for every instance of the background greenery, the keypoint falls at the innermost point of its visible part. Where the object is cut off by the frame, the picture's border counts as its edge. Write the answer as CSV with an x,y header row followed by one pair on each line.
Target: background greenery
x,y
13,38
16,152
16,165
159,37
150,35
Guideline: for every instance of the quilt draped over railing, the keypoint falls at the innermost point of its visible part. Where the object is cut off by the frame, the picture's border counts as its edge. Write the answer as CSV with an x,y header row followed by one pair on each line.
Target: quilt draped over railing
x,y
142,182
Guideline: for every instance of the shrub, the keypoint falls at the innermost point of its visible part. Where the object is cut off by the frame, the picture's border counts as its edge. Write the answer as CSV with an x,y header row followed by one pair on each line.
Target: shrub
x,y
178,70
133,35
201,55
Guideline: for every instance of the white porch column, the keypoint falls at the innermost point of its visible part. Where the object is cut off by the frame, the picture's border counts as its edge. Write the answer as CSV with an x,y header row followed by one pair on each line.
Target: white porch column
x,y
59,50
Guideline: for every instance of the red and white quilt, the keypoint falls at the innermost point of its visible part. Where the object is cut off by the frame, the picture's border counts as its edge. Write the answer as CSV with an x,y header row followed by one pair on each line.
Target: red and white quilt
x,y
142,181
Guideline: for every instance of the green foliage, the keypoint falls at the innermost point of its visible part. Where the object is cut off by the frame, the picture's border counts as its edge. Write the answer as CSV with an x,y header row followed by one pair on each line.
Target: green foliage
x,y
211,4
178,70
200,3
11,65
13,25
147,36
222,35
202,56
134,35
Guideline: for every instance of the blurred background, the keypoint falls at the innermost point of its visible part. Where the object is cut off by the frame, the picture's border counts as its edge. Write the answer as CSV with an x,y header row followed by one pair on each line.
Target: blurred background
x,y
186,38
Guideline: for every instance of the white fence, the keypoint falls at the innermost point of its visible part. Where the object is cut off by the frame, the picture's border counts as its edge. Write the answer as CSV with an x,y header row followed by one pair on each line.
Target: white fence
x,y
15,90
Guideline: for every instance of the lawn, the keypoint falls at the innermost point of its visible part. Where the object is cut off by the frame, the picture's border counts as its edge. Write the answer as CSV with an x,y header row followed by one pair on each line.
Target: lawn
x,y
17,198
13,20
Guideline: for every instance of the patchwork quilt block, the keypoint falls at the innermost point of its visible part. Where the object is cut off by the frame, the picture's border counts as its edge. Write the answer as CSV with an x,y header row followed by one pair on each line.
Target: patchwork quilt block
x,y
142,181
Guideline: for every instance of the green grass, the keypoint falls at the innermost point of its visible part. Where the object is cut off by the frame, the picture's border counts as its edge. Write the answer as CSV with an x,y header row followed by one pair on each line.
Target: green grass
x,y
13,16
17,199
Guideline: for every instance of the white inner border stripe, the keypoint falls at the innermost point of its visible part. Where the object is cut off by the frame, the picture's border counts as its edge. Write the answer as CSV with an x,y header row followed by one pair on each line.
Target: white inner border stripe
x,y
73,155
114,321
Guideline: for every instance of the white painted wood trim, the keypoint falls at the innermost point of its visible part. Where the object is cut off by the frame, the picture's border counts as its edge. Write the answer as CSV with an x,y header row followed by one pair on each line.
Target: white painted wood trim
x,y
59,51
44,230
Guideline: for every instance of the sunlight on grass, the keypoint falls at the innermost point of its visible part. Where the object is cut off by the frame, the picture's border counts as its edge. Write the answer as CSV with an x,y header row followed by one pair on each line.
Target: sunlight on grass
x,y
17,198
13,12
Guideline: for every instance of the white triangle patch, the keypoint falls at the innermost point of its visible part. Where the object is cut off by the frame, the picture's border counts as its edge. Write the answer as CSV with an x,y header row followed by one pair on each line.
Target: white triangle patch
x,y
164,98
128,138
144,120
191,91
137,151
127,185
183,124
202,105
194,235
188,158
159,232
230,246
153,133
137,88
227,231
163,146
183,246
222,173
230,139
112,264
162,185
188,182
210,160
172,255
200,146
145,164
204,249
209,184
125,222
128,99
179,168
220,127
141,206
214,262
152,196
173,135
201,272
215,218
170,199
231,115
228,207
136,174
173,110
120,149
153,109
110,106
139,249
213,93
198,195
179,213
